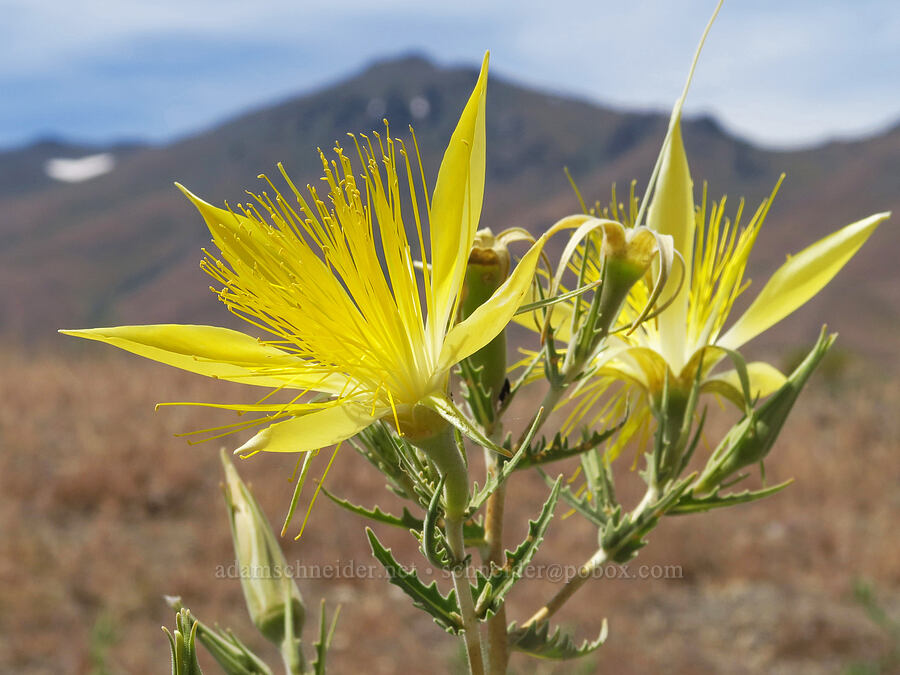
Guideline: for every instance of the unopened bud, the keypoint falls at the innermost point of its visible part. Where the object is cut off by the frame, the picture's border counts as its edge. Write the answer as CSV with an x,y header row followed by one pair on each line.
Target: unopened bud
x,y
486,270
751,439
270,593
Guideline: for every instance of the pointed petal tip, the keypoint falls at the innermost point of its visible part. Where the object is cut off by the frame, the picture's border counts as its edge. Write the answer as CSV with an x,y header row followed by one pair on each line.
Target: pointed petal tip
x,y
255,444
187,193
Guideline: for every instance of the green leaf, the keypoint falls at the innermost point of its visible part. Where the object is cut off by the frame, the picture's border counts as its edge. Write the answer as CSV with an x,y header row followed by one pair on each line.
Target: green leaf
x,y
476,393
691,504
537,640
323,644
623,537
490,591
473,532
443,609
543,451
495,479
407,521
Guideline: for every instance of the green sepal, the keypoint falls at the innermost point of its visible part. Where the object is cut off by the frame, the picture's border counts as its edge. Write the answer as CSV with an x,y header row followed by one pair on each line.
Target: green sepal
x,y
394,457
232,655
562,297
298,488
443,609
691,504
538,641
490,591
323,644
181,644
622,537
751,439
445,408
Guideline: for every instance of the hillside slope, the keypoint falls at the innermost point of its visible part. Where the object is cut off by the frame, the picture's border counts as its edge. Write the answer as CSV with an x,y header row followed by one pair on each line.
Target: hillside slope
x,y
123,248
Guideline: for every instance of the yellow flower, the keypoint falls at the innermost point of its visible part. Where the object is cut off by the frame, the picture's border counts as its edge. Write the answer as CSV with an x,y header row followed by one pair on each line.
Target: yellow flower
x,y
685,341
333,281
687,335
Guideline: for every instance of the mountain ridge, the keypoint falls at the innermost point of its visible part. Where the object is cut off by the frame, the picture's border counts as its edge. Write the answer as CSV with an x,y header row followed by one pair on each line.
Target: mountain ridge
x,y
123,248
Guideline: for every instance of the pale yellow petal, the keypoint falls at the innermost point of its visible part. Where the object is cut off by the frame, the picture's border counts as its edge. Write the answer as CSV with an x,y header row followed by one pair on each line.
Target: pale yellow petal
x,y
764,380
456,205
799,279
209,350
672,212
313,431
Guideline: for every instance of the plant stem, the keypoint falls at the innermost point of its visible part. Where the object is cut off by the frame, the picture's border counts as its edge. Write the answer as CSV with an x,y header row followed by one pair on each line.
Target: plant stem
x,y
497,647
471,635
572,585
586,571
442,450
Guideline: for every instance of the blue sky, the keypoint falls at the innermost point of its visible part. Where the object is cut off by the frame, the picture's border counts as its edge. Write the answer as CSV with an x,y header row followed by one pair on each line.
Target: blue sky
x,y
784,73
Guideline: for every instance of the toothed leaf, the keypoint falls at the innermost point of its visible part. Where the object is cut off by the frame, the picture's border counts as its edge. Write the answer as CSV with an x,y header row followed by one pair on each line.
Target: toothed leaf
x,y
538,641
543,451
691,504
443,609
407,521
490,591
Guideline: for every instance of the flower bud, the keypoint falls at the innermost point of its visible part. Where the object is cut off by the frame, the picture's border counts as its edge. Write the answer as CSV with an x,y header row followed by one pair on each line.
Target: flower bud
x,y
270,593
751,439
626,255
486,270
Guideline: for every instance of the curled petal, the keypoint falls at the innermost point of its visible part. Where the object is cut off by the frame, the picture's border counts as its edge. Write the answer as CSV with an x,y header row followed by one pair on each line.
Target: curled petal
x,y
312,431
764,379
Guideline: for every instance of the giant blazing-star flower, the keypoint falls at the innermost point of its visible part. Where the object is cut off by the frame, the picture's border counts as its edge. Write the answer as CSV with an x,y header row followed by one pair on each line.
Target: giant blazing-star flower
x,y
688,336
376,336
686,340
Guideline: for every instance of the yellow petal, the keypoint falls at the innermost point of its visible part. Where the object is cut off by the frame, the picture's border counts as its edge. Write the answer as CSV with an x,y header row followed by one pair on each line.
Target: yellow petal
x,y
223,225
312,431
456,205
799,279
206,350
672,212
764,380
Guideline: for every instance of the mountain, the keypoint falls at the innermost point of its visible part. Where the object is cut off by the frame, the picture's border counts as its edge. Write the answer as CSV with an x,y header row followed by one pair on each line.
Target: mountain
x,y
124,247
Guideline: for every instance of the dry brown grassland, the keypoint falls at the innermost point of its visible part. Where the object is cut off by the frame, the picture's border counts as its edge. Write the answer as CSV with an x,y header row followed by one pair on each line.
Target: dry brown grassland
x,y
103,511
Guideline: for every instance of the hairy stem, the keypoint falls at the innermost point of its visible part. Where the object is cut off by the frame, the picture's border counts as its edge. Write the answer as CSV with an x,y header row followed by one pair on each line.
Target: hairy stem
x,y
471,635
562,596
587,570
